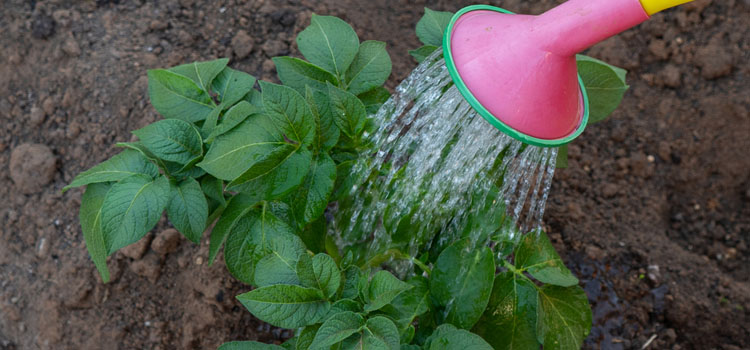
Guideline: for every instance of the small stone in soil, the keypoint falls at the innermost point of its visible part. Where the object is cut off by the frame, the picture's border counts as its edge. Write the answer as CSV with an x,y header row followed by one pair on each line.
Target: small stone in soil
x,y
242,44
32,166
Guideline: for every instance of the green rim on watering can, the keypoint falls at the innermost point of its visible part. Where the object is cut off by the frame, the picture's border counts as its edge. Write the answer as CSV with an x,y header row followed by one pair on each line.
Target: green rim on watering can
x,y
464,90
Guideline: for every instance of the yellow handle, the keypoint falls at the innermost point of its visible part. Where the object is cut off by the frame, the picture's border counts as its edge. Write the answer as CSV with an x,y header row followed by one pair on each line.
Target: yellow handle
x,y
654,6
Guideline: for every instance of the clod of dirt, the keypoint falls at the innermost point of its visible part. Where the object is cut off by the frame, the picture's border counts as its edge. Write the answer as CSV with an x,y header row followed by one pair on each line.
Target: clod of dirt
x,y
136,250
166,242
148,267
274,48
242,44
70,46
671,76
42,26
36,117
32,166
715,60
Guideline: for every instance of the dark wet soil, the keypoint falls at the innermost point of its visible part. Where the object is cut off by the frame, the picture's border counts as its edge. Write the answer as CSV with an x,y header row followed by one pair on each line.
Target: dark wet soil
x,y
653,213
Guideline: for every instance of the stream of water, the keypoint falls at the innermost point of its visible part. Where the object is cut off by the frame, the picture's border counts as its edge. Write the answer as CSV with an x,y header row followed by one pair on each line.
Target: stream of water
x,y
439,173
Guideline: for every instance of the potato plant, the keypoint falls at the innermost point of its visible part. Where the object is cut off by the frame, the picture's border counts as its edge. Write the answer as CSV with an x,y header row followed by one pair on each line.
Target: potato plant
x,y
262,166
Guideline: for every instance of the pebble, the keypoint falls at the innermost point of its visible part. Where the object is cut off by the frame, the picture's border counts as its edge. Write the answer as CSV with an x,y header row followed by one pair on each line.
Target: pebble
x,y
70,46
242,44
671,76
48,106
166,242
32,166
610,190
274,48
36,117
714,59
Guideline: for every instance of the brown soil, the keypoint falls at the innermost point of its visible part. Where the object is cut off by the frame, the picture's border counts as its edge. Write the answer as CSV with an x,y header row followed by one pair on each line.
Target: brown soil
x,y
653,213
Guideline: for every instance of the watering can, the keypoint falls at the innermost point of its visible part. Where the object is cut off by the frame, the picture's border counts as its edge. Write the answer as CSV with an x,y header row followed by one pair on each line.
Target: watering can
x,y
519,71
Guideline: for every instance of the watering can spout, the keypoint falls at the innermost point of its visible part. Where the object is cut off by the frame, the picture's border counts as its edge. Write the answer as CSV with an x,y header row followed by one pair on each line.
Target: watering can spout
x,y
519,72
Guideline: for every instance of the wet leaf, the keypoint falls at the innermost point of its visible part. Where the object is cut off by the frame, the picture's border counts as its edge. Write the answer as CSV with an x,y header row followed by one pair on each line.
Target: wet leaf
x,y
370,68
349,112
423,52
563,317
383,288
374,98
310,199
461,282
431,27
286,306
536,255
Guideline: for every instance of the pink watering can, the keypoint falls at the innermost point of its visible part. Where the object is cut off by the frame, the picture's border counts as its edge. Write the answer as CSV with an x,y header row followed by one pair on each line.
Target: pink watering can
x,y
519,72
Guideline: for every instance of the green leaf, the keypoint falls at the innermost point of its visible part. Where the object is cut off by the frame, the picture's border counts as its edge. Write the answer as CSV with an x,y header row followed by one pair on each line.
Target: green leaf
x,y
188,209
280,265
306,337
563,317
370,68
329,43
342,305
327,133
237,208
319,272
349,112
383,288
354,283
374,98
173,140
297,74
311,198
605,86
231,85
337,328
177,97
411,303
233,117
562,157
254,142
509,322
461,282
214,189
90,216
431,27
276,177
202,73
132,207
536,255
380,332
286,306
448,337
423,52
314,235
248,345
123,165
290,112
255,235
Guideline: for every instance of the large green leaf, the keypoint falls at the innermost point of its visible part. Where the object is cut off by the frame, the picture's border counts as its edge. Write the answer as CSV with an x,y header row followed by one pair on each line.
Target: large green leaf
x,y
252,237
248,345
125,164
214,189
461,282
176,96
327,133
423,52
305,337
297,74
349,112
233,117
202,73
337,328
237,208
132,207
605,86
289,112
448,337
311,198
188,209
314,235
355,283
90,216
509,322
370,68
276,177
374,98
379,333
173,140
231,85
383,288
536,255
411,303
319,272
280,265
329,43
286,306
563,317
431,27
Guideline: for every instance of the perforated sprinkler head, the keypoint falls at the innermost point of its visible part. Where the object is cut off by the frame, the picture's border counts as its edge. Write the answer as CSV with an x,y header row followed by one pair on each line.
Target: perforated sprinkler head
x,y
519,71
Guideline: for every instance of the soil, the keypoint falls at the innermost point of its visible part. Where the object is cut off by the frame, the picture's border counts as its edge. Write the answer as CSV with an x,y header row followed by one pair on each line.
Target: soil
x,y
653,214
